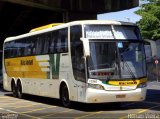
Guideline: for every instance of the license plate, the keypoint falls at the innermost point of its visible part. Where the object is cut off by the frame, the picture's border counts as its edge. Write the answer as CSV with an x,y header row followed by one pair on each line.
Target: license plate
x,y
120,96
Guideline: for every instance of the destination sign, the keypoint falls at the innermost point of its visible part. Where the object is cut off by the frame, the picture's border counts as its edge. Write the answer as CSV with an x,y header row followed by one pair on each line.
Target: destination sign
x,y
98,32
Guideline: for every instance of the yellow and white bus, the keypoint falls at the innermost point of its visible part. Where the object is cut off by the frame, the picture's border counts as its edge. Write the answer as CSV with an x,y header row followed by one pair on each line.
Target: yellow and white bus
x,y
88,61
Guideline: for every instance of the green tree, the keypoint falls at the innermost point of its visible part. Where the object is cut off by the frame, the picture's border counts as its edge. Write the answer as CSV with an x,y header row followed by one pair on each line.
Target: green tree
x,y
150,22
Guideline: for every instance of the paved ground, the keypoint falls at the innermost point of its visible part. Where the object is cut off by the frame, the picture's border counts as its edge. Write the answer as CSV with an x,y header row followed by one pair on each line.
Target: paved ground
x,y
34,107
154,85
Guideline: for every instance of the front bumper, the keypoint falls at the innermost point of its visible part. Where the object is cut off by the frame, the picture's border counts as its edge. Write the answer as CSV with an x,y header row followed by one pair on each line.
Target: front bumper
x,y
102,96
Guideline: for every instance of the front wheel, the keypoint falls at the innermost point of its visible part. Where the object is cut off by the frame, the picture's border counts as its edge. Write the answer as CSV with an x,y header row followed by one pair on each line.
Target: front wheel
x,y
65,96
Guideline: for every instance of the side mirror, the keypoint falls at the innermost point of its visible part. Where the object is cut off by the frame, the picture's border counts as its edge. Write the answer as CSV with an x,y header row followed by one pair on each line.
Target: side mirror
x,y
86,46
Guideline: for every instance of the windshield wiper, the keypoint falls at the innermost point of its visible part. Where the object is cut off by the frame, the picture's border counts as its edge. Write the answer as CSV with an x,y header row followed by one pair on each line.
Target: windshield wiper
x,y
129,70
128,67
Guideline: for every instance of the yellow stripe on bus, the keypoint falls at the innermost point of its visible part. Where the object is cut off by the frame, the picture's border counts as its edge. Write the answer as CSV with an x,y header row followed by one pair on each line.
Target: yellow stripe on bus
x,y
24,67
128,82
45,26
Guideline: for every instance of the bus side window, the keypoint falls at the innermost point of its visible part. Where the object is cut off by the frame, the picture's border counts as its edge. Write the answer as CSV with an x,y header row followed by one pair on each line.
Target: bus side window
x,y
51,46
52,42
58,43
38,45
6,50
46,39
20,47
27,50
19,53
63,40
12,49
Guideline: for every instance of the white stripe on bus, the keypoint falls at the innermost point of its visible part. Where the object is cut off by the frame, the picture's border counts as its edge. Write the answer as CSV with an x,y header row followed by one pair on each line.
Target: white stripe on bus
x,y
43,64
42,58
45,69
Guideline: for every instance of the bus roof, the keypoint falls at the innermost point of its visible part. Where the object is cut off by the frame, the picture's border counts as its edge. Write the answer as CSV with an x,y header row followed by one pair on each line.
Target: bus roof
x,y
49,27
109,22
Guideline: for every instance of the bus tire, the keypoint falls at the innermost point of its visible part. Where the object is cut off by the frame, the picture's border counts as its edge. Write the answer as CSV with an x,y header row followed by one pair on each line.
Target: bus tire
x,y
64,96
19,89
14,88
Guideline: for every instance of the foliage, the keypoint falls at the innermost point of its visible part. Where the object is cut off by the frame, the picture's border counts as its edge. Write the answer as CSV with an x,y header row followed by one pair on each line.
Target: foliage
x,y
150,22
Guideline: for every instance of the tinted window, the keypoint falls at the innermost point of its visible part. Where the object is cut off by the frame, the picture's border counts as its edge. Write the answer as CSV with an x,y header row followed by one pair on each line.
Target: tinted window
x,y
39,44
46,43
52,42
10,49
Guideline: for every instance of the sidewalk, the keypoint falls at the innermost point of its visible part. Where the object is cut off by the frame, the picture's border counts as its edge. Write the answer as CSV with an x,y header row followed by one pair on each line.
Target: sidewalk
x,y
153,85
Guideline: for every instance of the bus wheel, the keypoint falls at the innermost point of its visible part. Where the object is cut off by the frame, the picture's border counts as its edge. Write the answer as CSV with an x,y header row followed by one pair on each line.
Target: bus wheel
x,y
65,96
14,89
19,89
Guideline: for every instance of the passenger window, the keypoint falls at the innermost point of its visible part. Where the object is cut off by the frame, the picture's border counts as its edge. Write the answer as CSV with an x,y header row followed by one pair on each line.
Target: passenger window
x,y
38,45
53,40
46,39
63,40
11,49
28,47
59,41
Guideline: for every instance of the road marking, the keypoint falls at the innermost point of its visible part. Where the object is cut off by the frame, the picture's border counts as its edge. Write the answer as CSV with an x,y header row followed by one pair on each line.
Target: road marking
x,y
14,107
36,110
33,110
102,117
11,103
111,117
32,105
142,111
20,113
8,100
55,113
4,97
90,114
9,97
17,107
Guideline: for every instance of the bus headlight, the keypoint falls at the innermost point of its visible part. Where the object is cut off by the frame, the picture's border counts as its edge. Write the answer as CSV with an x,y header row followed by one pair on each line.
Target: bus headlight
x,y
142,85
95,86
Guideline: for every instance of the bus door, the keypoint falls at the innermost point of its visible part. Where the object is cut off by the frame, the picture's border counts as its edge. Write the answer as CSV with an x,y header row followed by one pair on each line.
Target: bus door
x,y
78,62
78,66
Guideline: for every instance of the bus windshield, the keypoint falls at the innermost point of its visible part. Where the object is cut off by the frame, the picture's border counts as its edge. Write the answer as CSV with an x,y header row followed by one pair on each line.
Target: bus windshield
x,y
116,60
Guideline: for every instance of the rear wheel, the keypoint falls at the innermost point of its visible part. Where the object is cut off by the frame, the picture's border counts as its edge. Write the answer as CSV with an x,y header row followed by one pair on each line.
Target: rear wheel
x,y
19,90
14,89
65,96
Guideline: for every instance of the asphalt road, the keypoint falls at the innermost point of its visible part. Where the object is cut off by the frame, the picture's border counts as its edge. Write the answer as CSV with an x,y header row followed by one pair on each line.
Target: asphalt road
x,y
35,107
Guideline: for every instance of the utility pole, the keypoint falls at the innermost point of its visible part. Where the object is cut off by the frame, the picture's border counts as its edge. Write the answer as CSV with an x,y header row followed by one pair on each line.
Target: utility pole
x,y
156,62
